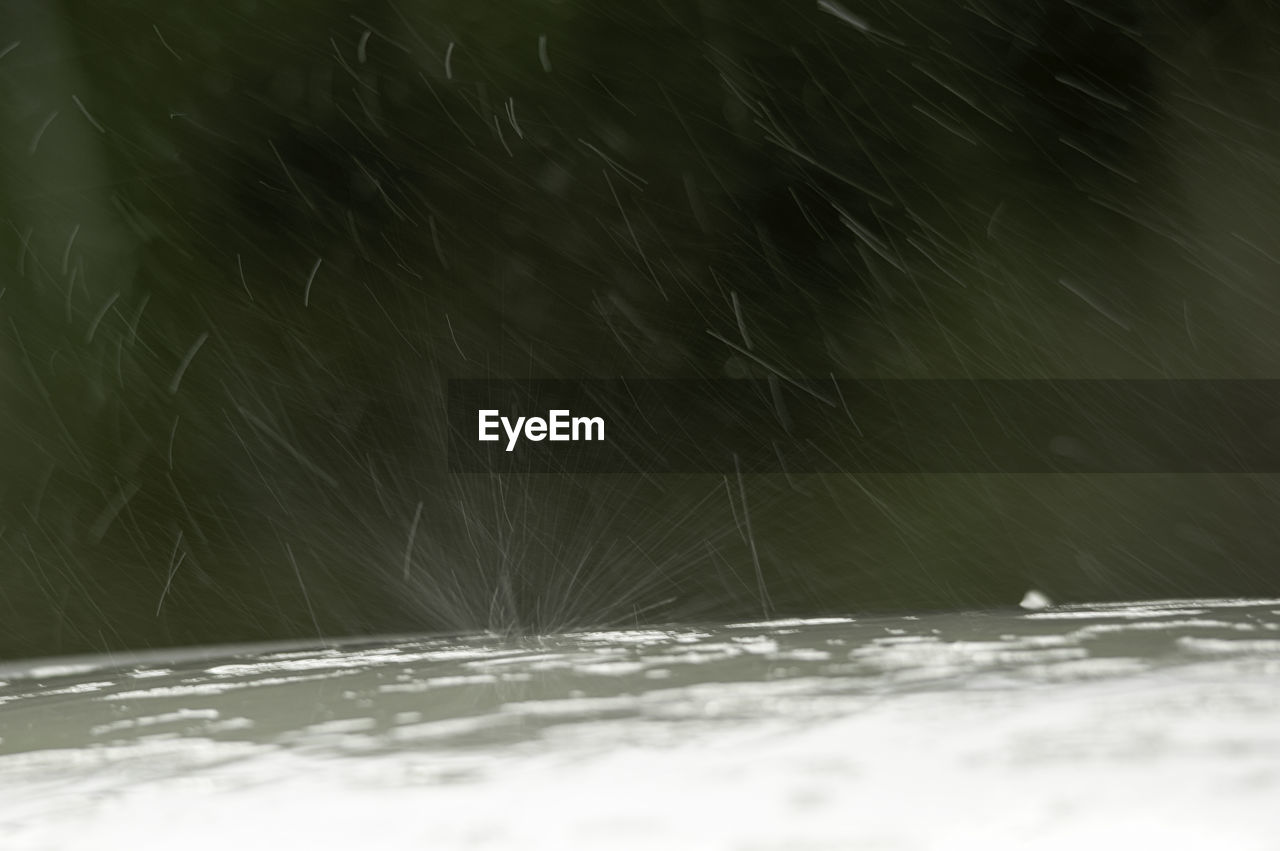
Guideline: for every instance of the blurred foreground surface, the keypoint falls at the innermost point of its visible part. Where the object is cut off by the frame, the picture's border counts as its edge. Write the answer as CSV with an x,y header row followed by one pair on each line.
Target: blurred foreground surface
x,y
1139,725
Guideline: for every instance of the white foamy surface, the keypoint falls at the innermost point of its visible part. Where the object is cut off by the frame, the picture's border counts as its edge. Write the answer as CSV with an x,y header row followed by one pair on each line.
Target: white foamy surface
x,y
1155,725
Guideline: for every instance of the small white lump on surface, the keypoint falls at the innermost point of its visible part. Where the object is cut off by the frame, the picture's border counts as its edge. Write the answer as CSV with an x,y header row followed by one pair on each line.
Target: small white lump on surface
x,y
1034,601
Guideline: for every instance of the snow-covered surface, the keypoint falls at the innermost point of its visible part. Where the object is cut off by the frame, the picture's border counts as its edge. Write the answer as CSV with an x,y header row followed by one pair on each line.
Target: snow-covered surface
x,y
1153,725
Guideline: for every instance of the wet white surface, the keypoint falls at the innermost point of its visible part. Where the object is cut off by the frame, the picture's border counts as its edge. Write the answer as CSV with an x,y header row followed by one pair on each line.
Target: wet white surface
x,y
1142,726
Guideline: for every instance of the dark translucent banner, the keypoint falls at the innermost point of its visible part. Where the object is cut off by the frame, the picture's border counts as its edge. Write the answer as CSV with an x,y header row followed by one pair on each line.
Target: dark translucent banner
x,y
871,426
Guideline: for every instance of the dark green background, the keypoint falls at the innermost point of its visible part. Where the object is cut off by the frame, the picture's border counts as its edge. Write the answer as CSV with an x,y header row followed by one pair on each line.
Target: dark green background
x,y
1003,189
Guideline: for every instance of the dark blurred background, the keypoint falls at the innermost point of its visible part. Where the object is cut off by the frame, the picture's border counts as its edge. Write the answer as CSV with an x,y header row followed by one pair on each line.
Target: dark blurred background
x,y
244,245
